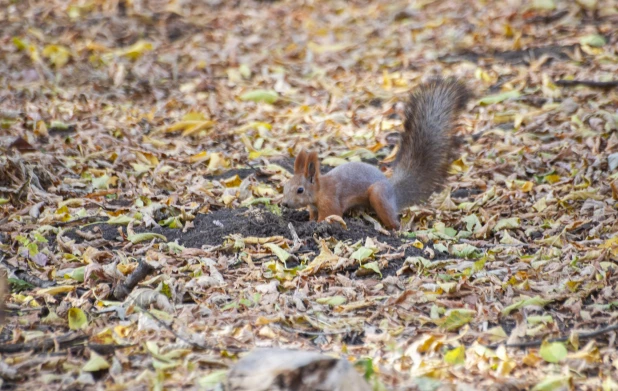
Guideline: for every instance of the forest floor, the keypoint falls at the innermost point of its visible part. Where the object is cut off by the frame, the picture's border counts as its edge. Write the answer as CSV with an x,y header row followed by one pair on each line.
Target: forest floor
x,y
151,139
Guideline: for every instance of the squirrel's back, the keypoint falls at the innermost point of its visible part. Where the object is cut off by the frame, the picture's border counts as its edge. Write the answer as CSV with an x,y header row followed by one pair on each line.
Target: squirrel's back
x,y
427,142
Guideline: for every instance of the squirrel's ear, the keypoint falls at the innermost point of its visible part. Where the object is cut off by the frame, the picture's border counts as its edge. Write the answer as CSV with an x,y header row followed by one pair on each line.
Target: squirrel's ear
x,y
313,167
300,162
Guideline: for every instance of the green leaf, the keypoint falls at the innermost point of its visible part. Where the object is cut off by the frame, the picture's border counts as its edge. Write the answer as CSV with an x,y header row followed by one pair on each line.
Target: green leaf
x,y
334,161
244,71
267,96
472,222
362,253
18,285
96,363
58,126
372,266
212,379
594,40
19,43
491,99
465,250
547,5
4,201
553,383
553,352
455,319
332,301
171,222
144,236
278,251
440,247
77,319
510,223
456,356
39,238
77,274
120,220
101,182
535,301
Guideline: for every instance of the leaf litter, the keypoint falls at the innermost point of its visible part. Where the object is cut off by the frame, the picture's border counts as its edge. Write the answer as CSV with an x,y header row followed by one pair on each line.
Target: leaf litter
x,y
145,145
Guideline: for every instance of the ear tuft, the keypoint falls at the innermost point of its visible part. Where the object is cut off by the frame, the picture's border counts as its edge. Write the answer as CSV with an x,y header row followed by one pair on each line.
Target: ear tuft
x,y
300,162
313,167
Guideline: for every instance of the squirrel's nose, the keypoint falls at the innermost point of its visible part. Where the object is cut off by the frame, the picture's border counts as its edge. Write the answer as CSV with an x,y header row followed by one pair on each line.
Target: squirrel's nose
x,y
285,204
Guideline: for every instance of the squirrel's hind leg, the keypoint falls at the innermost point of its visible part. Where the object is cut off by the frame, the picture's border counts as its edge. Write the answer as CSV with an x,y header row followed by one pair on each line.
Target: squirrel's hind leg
x,y
382,200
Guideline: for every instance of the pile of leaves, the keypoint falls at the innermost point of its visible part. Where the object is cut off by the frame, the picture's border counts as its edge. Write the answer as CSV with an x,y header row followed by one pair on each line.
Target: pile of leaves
x,y
144,149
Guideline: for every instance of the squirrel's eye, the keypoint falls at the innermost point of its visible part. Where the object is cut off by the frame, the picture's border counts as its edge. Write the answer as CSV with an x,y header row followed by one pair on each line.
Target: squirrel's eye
x,y
300,190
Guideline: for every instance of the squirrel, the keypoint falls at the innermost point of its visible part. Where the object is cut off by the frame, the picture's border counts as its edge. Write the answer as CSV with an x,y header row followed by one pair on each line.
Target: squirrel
x,y
426,151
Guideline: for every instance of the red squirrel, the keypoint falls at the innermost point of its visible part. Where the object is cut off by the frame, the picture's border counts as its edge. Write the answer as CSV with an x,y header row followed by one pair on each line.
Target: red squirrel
x,y
426,151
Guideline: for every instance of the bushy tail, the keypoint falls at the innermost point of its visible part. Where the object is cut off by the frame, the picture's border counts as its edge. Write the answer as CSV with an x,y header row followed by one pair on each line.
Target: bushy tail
x,y
427,143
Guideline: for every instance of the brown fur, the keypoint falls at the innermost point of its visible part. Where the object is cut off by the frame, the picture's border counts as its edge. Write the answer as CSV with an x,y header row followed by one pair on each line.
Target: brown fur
x,y
427,148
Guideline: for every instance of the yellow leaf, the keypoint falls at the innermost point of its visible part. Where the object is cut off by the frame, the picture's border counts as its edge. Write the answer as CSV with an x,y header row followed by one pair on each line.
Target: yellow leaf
x,y
456,356
55,290
57,55
612,244
234,181
77,319
459,165
96,363
418,244
136,50
194,116
198,157
216,162
278,251
326,259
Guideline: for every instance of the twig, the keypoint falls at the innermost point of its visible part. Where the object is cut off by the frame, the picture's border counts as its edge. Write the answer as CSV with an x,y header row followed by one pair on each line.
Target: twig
x,y
314,333
538,342
62,342
108,348
297,242
90,219
124,288
587,83
23,275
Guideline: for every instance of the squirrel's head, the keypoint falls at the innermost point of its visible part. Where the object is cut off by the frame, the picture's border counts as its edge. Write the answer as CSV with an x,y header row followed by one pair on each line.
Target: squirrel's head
x,y
301,190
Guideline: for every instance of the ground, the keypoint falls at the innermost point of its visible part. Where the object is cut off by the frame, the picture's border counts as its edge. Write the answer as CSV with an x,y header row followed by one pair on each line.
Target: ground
x,y
145,145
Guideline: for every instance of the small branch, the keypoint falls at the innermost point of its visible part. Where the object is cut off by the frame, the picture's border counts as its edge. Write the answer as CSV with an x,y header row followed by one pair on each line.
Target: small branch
x,y
124,288
538,342
587,83
62,342
104,349
314,333
23,275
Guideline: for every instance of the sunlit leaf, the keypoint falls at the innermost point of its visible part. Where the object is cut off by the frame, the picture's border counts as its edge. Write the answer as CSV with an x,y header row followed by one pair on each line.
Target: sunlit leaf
x,y
531,301
491,99
77,319
267,96
332,301
145,236
594,40
456,356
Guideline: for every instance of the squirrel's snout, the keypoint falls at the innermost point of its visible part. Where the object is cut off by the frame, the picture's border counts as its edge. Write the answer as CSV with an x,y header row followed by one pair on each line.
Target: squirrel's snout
x,y
285,204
